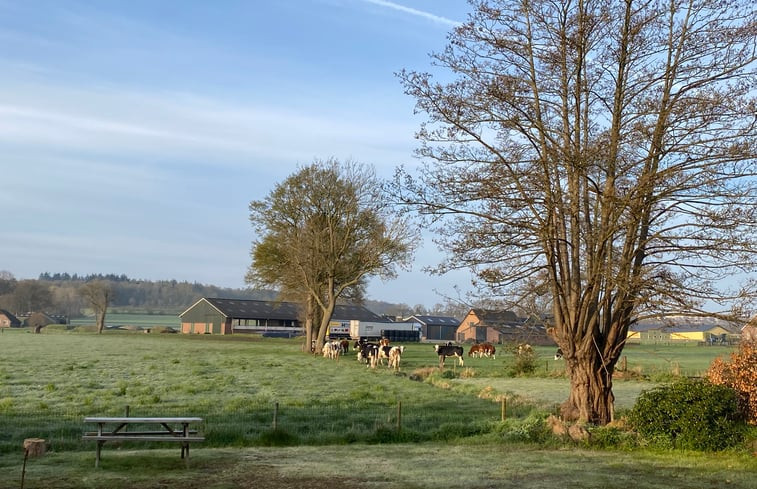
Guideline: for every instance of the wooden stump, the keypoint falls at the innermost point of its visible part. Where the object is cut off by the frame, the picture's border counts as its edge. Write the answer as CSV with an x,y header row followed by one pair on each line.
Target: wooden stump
x,y
34,447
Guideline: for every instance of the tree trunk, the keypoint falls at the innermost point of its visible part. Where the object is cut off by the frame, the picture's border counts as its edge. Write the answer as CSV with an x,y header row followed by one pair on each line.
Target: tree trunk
x,y
591,399
100,320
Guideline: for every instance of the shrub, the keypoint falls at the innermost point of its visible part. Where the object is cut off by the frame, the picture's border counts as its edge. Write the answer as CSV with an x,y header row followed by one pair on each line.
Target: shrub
x,y
525,363
689,414
532,429
740,375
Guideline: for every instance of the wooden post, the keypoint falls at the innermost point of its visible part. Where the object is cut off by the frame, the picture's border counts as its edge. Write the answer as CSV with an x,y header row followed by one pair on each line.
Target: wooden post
x,y
399,416
275,415
504,408
35,447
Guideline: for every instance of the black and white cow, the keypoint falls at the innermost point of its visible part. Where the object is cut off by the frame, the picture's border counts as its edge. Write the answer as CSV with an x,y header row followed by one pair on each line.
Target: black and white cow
x,y
448,350
558,354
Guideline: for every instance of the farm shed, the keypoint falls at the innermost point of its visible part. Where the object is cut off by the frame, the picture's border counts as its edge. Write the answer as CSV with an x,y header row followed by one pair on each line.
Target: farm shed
x,y
8,320
228,316
482,325
436,328
680,330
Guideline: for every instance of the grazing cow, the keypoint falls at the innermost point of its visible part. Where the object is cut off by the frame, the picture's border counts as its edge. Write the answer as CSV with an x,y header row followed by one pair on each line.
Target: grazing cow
x,y
445,351
482,350
395,355
558,354
476,350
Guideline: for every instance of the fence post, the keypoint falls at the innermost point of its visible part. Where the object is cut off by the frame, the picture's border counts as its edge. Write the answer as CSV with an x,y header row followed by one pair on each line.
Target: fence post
x,y
504,408
275,415
399,416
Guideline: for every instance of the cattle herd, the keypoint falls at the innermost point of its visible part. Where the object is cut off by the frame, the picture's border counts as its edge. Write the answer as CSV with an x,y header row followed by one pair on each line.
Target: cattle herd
x,y
374,354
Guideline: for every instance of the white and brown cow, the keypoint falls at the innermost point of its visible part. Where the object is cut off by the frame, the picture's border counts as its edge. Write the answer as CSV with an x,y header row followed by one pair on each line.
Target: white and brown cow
x,y
395,355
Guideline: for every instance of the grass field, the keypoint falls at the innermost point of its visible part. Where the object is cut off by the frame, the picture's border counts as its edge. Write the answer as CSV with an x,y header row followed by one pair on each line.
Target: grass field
x,y
143,321
371,428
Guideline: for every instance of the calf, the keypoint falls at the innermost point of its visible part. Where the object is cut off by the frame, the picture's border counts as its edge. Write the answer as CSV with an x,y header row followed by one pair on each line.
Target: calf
x,y
332,349
445,351
367,352
395,355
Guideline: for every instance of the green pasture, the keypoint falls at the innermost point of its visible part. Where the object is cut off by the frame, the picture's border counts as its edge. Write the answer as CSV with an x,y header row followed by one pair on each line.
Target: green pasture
x,y
418,423
132,320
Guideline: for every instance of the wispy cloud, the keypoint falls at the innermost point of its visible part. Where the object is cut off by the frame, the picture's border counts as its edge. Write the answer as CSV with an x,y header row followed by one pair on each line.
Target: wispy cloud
x,y
412,11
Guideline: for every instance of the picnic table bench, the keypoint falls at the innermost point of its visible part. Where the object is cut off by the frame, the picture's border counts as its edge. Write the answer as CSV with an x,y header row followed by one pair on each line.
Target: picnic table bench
x,y
174,430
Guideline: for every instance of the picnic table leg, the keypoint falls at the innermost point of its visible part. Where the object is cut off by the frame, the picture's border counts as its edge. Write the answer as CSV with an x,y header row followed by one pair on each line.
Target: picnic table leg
x,y
97,453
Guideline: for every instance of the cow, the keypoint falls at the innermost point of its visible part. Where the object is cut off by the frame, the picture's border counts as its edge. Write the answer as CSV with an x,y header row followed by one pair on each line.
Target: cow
x,y
344,345
367,352
482,350
370,352
489,350
332,349
383,352
558,354
448,350
476,350
395,355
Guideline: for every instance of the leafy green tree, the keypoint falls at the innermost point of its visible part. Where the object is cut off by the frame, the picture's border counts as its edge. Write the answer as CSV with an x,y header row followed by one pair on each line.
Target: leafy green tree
x,y
601,153
323,231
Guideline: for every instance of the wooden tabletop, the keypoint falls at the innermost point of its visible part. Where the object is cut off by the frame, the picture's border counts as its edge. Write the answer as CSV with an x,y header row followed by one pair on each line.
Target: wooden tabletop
x,y
142,420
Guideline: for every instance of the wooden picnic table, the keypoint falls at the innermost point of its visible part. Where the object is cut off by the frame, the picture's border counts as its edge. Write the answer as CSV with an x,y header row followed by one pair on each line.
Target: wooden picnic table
x,y
171,429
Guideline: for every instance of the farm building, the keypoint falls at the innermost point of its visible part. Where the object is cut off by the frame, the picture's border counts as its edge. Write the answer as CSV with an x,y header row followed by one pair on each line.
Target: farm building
x,y
482,325
682,330
435,328
8,320
227,316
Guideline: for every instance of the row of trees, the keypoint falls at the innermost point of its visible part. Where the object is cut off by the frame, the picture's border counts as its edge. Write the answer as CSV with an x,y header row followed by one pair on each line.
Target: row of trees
x,y
597,157
61,294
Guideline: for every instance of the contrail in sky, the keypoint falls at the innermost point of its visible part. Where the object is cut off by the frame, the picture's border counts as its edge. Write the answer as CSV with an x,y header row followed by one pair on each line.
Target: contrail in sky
x,y
413,11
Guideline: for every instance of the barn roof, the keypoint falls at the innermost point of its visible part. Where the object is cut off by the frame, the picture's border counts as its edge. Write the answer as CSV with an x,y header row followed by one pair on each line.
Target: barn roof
x,y
13,319
496,318
680,326
434,320
252,309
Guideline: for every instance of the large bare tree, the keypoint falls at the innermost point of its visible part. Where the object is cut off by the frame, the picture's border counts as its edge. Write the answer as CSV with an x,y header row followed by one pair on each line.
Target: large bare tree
x,y
600,151
323,232
98,294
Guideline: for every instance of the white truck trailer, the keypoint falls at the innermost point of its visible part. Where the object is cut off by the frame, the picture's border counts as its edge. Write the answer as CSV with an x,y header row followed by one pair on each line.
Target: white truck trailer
x,y
369,330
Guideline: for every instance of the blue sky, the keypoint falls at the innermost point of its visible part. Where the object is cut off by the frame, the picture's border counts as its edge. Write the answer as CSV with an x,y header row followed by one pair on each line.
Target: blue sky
x,y
135,133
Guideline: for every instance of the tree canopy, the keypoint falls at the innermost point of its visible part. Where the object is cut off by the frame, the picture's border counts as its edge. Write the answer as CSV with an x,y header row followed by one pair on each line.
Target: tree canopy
x,y
601,153
322,232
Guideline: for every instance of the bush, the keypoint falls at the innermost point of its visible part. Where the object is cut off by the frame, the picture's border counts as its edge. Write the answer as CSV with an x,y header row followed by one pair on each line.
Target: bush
x,y
740,375
689,414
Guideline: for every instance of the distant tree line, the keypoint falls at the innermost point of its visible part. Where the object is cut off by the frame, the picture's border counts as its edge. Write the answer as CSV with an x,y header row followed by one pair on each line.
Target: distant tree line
x,y
60,294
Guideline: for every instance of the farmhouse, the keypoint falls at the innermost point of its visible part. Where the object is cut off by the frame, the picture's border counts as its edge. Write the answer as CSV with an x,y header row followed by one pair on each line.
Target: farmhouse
x,y
436,328
228,316
482,325
682,330
8,320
